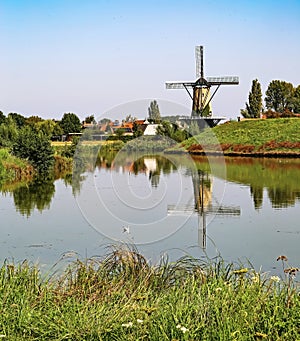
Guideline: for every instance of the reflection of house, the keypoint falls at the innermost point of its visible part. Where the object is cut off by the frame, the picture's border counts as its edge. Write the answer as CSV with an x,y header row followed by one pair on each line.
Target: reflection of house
x,y
111,127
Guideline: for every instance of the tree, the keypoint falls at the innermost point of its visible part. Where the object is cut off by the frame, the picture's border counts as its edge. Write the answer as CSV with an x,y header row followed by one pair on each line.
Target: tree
x,y
33,120
137,130
119,133
8,132
296,100
70,123
279,96
46,127
20,120
90,119
254,105
2,117
35,147
154,113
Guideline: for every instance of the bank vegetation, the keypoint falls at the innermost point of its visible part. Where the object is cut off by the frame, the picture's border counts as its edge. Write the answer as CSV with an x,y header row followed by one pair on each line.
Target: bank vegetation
x,y
122,297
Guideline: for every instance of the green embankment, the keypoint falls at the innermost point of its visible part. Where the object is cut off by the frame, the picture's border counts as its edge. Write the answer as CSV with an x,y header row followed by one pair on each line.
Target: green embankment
x,y
13,168
257,137
122,297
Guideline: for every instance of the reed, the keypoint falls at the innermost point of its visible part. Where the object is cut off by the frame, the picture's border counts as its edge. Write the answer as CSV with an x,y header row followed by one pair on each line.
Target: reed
x,y
122,297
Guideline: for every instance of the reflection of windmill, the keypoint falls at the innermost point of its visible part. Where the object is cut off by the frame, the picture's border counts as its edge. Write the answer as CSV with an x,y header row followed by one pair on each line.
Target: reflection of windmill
x,y
200,93
203,205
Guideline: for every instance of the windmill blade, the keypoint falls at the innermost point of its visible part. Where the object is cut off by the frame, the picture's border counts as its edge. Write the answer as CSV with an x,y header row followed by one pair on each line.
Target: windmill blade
x,y
223,80
199,61
178,85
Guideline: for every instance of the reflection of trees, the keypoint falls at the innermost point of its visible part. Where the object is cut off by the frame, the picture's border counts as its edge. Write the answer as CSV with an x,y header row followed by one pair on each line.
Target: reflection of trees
x,y
257,195
278,176
37,194
281,198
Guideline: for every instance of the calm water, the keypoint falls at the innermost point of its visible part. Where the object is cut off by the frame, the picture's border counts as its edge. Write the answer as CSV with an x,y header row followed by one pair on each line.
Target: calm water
x,y
243,209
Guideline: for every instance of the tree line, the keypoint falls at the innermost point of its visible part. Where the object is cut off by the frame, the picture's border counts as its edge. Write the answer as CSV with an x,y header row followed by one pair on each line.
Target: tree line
x,y
29,138
282,99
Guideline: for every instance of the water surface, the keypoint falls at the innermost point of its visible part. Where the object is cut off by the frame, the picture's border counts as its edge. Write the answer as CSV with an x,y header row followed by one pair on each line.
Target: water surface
x,y
247,210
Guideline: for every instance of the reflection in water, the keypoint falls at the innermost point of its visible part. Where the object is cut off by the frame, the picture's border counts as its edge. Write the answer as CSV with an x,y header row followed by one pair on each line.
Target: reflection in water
x,y
203,204
278,176
275,178
38,194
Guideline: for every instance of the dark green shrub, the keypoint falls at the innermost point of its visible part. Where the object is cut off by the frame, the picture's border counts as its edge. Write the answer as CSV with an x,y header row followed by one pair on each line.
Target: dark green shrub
x,y
34,147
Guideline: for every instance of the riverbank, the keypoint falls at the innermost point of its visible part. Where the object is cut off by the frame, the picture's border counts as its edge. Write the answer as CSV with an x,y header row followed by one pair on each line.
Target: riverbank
x,y
254,138
122,297
13,169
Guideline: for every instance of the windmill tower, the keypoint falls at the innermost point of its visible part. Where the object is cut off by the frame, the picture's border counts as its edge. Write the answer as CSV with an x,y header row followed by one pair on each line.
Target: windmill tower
x,y
200,90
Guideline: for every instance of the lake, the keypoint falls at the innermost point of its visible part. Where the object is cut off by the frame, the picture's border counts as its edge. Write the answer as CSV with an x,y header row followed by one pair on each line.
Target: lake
x,y
243,209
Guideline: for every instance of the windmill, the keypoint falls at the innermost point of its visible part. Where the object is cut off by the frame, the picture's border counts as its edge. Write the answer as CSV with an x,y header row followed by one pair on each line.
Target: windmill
x,y
200,90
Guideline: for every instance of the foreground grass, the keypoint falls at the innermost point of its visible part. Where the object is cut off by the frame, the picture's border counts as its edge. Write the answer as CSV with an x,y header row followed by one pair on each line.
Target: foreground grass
x,y
250,136
121,297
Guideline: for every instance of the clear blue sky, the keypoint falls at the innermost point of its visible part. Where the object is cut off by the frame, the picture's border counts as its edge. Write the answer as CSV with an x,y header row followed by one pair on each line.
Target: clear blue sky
x,y
89,56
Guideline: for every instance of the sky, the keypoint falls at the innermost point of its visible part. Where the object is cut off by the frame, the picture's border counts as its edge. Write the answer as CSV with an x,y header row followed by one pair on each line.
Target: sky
x,y
111,58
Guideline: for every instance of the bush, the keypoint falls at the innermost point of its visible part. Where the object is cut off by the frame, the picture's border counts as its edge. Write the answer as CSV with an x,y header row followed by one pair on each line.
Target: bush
x,y
34,147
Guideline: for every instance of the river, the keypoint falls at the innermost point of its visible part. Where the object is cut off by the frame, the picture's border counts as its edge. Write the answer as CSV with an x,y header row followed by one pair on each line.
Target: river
x,y
242,209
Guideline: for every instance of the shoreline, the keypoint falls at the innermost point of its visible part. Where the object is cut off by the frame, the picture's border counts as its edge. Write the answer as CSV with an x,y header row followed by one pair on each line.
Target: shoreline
x,y
270,154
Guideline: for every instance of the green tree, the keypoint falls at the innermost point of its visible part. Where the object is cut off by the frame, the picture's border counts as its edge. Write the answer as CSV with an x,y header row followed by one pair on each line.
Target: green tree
x,y
70,123
119,133
20,120
153,112
137,130
33,120
279,96
46,127
57,129
2,117
90,119
254,105
35,147
8,132
296,100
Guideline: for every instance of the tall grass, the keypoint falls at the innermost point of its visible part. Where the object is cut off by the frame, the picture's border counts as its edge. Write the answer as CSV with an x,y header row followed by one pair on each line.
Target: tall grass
x,y
13,168
122,297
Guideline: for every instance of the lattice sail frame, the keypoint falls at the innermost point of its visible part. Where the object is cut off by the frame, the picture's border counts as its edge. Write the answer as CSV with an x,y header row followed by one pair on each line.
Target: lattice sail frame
x,y
199,90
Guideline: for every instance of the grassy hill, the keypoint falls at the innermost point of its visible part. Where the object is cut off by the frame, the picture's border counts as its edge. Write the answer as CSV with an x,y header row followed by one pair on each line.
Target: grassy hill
x,y
258,137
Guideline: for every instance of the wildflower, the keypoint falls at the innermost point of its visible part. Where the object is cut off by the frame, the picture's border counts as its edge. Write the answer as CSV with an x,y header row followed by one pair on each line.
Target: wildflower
x,y
240,271
291,271
218,289
255,278
275,279
182,328
282,257
127,325
139,321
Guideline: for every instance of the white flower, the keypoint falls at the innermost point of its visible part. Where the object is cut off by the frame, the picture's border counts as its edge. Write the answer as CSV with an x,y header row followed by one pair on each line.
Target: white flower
x,y
183,329
127,325
139,321
275,279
